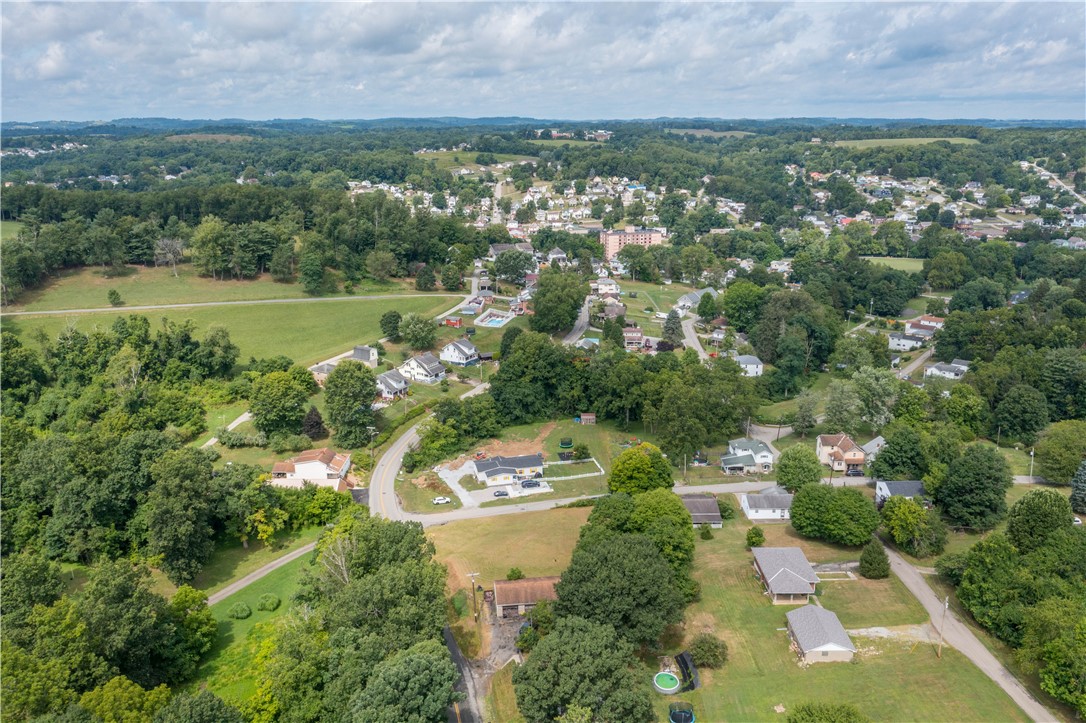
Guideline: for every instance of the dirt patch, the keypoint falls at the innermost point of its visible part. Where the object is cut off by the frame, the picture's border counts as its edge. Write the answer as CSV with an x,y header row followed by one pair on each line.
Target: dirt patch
x,y
512,448
910,633
431,483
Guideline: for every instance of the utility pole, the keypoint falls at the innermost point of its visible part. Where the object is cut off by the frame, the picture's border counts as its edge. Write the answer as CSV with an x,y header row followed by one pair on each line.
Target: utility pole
x,y
942,626
1031,450
474,601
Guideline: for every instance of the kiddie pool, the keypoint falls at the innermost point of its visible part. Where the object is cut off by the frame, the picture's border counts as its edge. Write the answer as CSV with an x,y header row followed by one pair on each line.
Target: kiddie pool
x,y
666,683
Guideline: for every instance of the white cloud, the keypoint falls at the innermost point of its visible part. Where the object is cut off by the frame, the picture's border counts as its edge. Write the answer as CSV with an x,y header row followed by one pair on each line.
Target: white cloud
x,y
261,60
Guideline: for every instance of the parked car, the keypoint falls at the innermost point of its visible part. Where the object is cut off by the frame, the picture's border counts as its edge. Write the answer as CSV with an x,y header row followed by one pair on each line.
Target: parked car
x,y
501,493
479,455
1076,521
854,473
530,483
442,500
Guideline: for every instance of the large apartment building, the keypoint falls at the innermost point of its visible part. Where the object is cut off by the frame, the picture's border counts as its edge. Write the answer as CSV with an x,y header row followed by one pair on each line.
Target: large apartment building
x,y
614,241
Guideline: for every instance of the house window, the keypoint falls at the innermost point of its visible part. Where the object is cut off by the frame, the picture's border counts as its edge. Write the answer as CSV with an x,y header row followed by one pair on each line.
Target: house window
x,y
825,653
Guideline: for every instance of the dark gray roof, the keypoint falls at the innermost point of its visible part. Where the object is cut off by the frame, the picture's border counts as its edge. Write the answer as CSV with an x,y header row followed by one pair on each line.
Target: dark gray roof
x,y
748,445
814,627
905,488
430,363
737,460
702,508
769,502
324,368
507,465
364,353
747,359
393,379
785,570
466,347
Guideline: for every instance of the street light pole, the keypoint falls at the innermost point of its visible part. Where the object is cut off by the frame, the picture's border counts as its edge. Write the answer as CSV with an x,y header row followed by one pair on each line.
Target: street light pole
x,y
474,602
1031,450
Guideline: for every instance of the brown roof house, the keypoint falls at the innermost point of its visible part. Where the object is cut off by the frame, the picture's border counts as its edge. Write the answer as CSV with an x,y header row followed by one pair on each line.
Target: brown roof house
x,y
516,597
839,452
323,467
786,574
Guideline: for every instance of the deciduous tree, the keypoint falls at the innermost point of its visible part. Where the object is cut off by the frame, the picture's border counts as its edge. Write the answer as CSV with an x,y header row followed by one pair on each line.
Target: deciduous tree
x,y
640,469
1035,517
798,466
349,393
974,493
418,331
1060,451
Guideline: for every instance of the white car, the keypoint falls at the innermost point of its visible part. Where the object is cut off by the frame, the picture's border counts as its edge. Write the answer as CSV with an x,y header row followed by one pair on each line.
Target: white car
x,y
442,500
1076,521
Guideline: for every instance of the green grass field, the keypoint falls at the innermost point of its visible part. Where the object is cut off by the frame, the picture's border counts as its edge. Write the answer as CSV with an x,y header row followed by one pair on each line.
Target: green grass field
x,y
539,543
559,142
447,160
231,561
86,288
305,332
229,670
876,142
776,410
762,672
9,229
898,262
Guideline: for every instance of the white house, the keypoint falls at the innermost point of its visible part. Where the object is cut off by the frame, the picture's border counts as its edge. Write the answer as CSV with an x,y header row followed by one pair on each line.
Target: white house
x,y
819,636
507,470
557,257
391,385
606,286
322,467
690,301
905,342
423,368
747,456
460,352
751,365
366,355
909,489
766,506
952,370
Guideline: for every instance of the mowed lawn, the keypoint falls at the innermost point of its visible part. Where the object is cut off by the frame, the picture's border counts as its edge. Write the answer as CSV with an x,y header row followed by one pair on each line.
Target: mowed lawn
x,y
305,332
900,263
86,288
893,680
229,670
539,543
875,142
9,229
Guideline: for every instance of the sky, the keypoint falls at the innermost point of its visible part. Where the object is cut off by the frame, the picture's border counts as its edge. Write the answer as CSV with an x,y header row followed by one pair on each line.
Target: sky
x,y
562,60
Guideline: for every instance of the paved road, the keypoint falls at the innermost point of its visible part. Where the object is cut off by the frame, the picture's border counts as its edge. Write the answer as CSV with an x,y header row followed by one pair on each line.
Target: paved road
x,y
469,712
915,363
152,307
691,338
245,417
962,639
579,326
256,575
1055,177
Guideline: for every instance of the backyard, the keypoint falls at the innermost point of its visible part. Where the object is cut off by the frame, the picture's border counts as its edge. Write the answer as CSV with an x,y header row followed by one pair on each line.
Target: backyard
x,y
762,672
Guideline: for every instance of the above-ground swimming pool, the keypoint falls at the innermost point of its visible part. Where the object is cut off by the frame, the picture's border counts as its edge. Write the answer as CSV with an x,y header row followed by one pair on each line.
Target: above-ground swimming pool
x,y
666,683
495,318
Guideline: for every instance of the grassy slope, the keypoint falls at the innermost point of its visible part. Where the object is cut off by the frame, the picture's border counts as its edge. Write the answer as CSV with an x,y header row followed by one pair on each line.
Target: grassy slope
x,y
9,229
307,333
898,262
86,288
762,672
229,669
501,701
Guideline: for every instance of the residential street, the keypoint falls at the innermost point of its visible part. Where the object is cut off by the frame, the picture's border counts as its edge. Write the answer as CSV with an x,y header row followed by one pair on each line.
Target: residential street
x,y
692,340
579,326
962,639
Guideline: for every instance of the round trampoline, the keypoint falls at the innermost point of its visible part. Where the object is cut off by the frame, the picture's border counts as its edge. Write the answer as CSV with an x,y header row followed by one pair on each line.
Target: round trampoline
x,y
666,683
680,713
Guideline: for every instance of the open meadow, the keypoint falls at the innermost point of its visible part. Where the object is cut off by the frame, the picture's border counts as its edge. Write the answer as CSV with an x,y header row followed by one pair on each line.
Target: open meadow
x,y
9,229
448,160
86,288
900,263
710,133
307,332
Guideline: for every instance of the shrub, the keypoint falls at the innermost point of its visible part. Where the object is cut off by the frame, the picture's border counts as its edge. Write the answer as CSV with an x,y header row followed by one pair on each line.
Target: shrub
x,y
114,297
708,651
705,531
580,451
280,443
239,611
755,537
827,713
527,639
874,564
268,601
232,439
951,567
727,509
515,573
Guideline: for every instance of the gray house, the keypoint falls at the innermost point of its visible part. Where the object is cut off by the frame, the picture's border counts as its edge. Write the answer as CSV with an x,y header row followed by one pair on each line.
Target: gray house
x,y
703,510
819,636
788,578
908,489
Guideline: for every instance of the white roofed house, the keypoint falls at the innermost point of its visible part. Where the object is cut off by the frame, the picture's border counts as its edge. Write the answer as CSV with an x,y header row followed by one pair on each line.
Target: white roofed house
x,y
322,467
425,368
392,384
460,352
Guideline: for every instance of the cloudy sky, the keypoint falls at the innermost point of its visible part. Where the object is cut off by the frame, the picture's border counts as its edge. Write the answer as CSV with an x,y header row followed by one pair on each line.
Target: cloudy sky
x,y
81,61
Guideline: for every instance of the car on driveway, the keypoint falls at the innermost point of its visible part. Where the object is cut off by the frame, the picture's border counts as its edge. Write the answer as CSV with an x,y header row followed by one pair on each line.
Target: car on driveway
x,y
854,473
529,483
1076,521
442,500
501,493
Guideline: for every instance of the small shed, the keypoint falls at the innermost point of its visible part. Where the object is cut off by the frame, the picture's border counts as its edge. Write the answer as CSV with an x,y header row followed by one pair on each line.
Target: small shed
x,y
454,321
819,636
516,597
703,510
588,417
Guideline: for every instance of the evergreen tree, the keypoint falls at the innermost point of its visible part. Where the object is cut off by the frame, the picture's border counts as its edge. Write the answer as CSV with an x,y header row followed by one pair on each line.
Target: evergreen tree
x,y
424,279
874,562
1078,489
673,328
